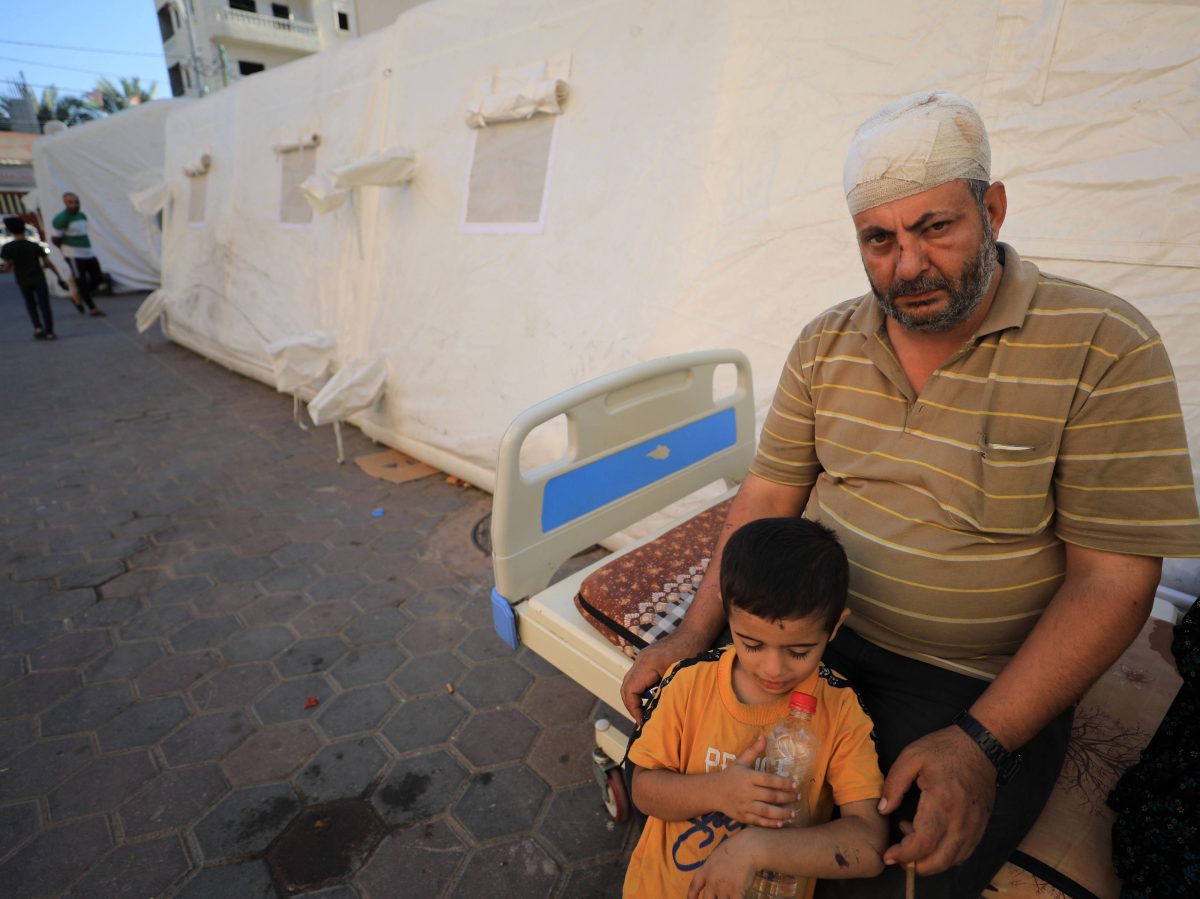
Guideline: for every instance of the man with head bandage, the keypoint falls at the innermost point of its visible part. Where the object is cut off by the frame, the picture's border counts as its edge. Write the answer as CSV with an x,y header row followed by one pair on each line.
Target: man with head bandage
x,y
1002,454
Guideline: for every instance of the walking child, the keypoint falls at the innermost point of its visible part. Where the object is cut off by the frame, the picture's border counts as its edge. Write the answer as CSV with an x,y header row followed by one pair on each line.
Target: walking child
x,y
26,260
714,820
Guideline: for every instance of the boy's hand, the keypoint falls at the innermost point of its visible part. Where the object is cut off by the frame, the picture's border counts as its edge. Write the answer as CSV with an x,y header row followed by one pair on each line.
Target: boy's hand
x,y
729,871
754,797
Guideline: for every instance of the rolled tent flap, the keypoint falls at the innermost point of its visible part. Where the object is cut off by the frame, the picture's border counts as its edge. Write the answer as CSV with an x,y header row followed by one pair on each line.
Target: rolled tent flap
x,y
151,200
545,97
301,360
392,166
357,386
152,307
321,194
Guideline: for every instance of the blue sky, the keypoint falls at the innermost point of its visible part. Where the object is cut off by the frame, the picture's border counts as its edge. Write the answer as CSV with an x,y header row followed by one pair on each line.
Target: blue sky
x,y
129,26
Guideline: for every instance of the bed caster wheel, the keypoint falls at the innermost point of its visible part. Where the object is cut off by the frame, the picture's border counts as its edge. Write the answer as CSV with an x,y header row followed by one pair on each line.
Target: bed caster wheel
x,y
616,797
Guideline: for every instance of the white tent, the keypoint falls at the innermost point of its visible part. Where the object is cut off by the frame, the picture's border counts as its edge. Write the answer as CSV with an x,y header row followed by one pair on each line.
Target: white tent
x,y
676,185
103,162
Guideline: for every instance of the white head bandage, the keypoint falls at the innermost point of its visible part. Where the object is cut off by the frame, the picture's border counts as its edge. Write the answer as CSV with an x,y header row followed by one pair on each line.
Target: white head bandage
x,y
914,144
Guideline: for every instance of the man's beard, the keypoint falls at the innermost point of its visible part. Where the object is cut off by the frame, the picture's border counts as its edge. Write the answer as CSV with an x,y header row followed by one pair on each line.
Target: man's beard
x,y
965,292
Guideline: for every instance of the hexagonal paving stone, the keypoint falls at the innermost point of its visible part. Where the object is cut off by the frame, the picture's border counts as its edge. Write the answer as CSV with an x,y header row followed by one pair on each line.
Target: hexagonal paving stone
x,y
15,734
424,722
418,787
327,618
179,590
91,574
248,880
439,602
518,867
289,578
236,686
331,587
17,824
142,869
256,644
310,656
155,622
274,608
494,683
39,767
70,650
176,672
225,599
22,638
59,605
51,860
133,584
342,770
271,754
173,799
35,692
428,674
289,700
103,785
86,709
124,661
143,724
357,710
239,568
207,737
326,843
578,826
204,633
557,700
483,644
246,821
563,754
202,561
432,635
377,627
423,858
344,559
372,664
498,803
494,737
299,553
106,613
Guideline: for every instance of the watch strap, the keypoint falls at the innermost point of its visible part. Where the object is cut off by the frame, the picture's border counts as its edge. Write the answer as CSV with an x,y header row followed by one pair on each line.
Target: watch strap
x,y
1006,762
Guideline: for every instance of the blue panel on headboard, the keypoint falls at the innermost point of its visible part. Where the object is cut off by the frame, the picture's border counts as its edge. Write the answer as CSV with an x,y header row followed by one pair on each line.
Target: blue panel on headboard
x,y
576,493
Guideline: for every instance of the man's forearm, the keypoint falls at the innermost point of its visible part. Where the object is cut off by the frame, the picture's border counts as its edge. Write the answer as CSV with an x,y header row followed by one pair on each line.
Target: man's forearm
x,y
1097,612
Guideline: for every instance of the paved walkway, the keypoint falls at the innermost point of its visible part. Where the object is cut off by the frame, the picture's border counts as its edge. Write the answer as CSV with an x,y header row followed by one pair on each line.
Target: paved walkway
x,y
223,674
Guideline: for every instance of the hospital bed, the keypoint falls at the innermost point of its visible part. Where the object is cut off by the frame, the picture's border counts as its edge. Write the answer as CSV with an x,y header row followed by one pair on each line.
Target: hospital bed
x,y
650,435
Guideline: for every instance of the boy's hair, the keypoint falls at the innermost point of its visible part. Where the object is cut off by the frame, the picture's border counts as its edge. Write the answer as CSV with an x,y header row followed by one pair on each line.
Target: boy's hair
x,y
785,568
14,225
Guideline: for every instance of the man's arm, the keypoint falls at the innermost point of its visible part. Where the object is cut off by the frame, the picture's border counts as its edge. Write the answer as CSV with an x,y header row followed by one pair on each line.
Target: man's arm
x,y
756,498
1094,616
738,791
851,846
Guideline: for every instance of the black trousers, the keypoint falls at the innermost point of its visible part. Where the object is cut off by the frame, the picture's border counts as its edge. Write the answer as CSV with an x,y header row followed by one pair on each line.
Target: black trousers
x,y
87,278
37,304
908,699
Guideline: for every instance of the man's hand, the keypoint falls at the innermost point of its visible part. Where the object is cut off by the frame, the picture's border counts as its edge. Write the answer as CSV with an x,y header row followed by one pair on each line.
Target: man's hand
x,y
729,871
753,797
651,664
958,790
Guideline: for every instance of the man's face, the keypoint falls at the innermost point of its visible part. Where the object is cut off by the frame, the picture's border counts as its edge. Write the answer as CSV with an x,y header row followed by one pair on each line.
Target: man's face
x,y
71,202
929,257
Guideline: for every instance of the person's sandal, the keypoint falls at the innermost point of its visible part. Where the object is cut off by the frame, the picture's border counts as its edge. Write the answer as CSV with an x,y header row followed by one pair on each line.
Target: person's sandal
x,y
99,312
39,334
51,336
79,307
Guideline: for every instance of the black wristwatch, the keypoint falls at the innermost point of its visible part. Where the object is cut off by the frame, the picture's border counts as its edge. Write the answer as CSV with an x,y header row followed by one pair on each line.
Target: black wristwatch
x,y
1006,762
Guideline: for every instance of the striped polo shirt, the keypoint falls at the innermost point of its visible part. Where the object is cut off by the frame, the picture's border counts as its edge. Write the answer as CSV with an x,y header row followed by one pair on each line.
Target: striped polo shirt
x,y
1057,421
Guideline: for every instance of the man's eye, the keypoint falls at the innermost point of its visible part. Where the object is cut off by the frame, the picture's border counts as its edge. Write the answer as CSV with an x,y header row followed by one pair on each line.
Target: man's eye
x,y
939,226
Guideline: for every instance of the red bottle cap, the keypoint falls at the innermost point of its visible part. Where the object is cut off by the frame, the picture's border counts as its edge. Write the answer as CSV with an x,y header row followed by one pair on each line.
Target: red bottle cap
x,y
804,702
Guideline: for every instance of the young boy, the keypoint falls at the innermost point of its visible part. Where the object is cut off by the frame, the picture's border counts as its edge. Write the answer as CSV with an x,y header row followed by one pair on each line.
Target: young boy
x,y
715,820
28,259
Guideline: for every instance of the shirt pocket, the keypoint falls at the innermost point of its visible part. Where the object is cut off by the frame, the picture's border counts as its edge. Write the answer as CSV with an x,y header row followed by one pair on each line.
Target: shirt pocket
x,y
1015,478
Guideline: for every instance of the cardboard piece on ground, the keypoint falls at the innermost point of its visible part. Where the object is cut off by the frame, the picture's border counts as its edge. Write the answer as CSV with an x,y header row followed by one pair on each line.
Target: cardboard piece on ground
x,y
393,466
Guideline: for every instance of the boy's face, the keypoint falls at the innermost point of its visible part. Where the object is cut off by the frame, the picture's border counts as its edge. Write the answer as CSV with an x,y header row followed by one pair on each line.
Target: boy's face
x,y
775,657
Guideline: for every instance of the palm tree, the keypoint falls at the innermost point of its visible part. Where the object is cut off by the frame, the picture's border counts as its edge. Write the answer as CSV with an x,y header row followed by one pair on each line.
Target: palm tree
x,y
50,106
111,98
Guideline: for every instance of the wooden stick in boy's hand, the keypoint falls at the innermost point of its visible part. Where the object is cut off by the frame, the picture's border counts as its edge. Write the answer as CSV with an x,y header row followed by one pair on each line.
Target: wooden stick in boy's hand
x,y
910,881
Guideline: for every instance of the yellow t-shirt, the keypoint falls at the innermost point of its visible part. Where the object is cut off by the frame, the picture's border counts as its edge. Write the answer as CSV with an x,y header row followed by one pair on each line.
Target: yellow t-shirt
x,y
695,724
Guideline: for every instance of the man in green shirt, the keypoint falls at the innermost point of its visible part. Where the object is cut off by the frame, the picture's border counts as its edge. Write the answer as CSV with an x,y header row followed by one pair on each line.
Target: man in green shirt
x,y
71,236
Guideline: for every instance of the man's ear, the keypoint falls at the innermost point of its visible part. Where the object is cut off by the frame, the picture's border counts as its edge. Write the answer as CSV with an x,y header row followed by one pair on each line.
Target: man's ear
x,y
841,620
995,201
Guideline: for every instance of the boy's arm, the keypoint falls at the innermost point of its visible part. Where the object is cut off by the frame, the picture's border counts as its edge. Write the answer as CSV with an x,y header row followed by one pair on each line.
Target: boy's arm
x,y
851,846
738,791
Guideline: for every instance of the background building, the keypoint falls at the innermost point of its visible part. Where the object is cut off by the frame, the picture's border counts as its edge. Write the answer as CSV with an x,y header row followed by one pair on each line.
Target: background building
x,y
208,44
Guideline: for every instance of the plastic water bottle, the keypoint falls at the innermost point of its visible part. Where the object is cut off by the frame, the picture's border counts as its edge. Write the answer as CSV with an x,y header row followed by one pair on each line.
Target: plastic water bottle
x,y
792,746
